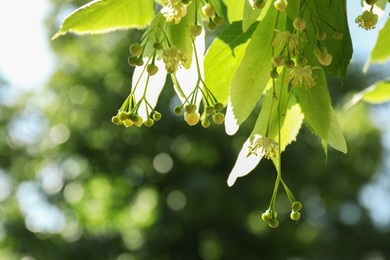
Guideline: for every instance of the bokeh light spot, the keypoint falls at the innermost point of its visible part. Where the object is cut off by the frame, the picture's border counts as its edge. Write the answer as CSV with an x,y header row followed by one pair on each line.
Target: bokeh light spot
x,y
176,200
162,163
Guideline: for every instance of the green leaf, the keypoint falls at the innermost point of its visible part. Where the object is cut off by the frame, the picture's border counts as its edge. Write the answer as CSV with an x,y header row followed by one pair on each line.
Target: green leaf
x,y
291,126
179,35
375,94
102,16
267,125
234,9
317,108
252,75
381,51
329,15
251,15
223,57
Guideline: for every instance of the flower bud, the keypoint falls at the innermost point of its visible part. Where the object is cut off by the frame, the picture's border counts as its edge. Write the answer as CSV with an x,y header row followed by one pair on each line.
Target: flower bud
x,y
128,123
218,106
208,10
273,223
321,36
266,216
136,49
157,46
325,58
152,69
116,120
281,5
190,108
295,215
206,123
211,26
196,30
299,24
296,206
338,35
259,4
149,122
156,116
122,115
192,119
218,20
218,118
177,110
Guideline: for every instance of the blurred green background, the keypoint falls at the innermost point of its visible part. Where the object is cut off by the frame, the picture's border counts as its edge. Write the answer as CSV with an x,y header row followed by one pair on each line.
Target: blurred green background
x,y
75,186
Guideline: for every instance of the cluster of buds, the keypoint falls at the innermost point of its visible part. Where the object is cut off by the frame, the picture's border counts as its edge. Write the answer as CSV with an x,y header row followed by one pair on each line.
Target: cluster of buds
x,y
128,116
367,20
136,50
270,216
215,20
192,116
296,206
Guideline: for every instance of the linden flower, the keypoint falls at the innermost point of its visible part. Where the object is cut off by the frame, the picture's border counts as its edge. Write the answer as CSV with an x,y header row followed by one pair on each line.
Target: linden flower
x,y
264,146
281,39
302,76
286,38
173,11
367,20
173,57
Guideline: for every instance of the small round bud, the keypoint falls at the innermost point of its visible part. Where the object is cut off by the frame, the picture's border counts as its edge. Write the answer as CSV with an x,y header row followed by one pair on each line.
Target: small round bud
x,y
132,60
210,110
127,123
281,5
177,110
321,36
273,223
136,49
218,106
157,46
122,115
325,58
302,60
149,122
157,116
259,4
206,123
116,120
279,60
190,108
218,118
338,35
139,61
296,206
295,215
266,216
186,2
371,2
299,24
152,69
192,119
218,20
138,121
208,10
211,26
196,30
289,64
274,74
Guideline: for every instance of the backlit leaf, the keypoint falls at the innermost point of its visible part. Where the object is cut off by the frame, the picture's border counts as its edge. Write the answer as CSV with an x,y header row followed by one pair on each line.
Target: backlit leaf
x,y
101,16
